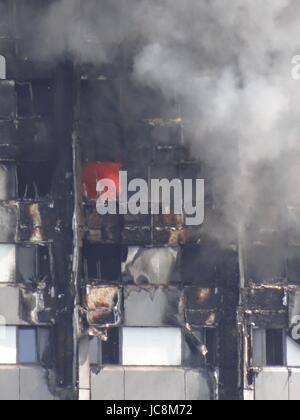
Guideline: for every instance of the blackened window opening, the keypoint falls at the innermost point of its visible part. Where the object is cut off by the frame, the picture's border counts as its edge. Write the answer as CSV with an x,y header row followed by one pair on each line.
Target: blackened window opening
x,y
102,262
24,100
211,345
275,347
35,179
111,347
33,264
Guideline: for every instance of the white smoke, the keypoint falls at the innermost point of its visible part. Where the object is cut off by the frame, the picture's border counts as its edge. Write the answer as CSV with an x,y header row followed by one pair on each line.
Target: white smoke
x,y
227,61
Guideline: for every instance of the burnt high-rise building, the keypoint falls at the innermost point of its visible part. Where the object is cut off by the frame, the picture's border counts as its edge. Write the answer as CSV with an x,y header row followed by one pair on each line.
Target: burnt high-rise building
x,y
126,307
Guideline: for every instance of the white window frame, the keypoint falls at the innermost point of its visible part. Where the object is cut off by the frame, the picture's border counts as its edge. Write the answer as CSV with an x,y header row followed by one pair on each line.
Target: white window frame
x,y
147,346
3,67
8,345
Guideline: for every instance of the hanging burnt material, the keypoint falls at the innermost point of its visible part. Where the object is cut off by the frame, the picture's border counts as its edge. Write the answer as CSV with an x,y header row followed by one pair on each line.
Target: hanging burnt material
x,y
103,305
152,265
294,315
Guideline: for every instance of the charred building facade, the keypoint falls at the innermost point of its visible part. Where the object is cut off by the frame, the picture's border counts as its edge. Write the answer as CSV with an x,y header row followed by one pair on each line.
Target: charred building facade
x,y
123,307
36,350
149,305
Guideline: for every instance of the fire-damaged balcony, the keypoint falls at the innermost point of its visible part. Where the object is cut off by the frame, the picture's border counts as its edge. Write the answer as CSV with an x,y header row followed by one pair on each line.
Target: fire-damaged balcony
x,y
133,292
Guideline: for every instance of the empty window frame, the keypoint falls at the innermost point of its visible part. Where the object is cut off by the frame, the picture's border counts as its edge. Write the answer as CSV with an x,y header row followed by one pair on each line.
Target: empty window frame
x,y
102,262
26,345
2,67
269,348
210,342
24,100
33,263
202,342
151,347
24,263
107,351
8,182
35,179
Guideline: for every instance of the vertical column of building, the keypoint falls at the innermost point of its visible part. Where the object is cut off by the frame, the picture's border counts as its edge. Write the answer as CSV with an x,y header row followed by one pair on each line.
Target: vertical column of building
x,y
158,299
35,213
270,295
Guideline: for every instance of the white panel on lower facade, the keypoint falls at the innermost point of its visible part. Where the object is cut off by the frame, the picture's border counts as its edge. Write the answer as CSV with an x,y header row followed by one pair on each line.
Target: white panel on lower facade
x,y
7,263
152,347
272,384
294,385
8,345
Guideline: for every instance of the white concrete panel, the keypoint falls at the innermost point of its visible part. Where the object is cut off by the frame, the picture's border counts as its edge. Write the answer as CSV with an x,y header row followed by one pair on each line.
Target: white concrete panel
x,y
2,67
108,384
158,384
84,364
9,383
248,395
198,386
7,263
84,395
272,384
295,385
8,345
34,384
10,305
152,347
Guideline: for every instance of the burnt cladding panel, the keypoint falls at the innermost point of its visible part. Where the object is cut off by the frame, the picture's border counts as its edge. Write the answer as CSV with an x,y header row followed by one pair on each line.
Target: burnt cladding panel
x,y
8,223
156,266
264,299
8,182
150,306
